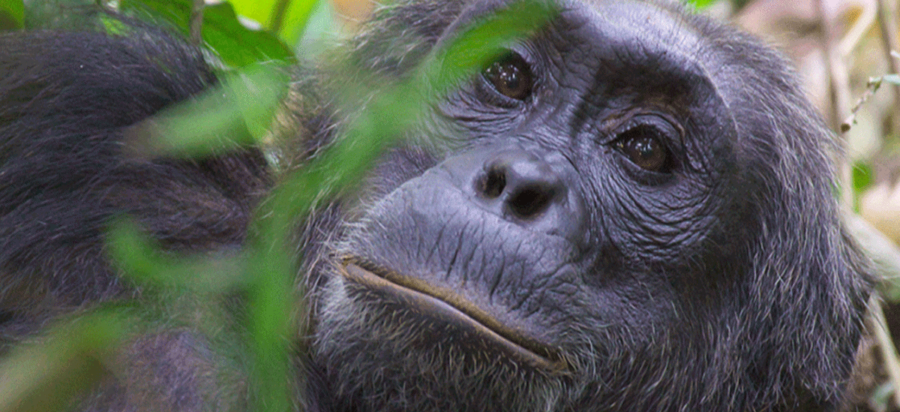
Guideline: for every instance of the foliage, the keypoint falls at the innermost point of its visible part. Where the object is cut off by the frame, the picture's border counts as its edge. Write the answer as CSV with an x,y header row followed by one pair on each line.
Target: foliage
x,y
701,4
234,43
73,354
12,14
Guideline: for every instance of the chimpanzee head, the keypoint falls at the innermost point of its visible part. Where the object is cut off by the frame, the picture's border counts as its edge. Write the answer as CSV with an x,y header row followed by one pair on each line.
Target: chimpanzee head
x,y
632,210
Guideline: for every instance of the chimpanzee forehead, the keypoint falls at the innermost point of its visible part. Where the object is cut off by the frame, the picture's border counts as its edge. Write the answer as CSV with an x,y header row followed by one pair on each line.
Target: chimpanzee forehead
x,y
633,31
639,27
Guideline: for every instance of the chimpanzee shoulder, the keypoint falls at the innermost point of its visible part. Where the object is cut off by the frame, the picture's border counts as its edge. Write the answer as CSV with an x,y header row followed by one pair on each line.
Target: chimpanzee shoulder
x,y
69,101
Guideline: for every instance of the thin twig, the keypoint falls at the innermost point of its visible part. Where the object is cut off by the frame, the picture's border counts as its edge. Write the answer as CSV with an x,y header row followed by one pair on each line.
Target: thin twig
x,y
888,21
197,21
871,87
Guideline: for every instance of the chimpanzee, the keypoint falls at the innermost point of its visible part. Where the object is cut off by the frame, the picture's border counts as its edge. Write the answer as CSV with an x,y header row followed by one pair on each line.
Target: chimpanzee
x,y
632,209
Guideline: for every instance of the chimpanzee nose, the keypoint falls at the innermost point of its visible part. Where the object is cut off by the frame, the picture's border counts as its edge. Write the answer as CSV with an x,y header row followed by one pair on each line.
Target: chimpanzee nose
x,y
522,185
532,189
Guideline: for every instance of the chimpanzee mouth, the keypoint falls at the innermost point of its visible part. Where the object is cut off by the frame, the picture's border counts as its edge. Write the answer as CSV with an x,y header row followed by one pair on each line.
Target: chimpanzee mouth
x,y
457,310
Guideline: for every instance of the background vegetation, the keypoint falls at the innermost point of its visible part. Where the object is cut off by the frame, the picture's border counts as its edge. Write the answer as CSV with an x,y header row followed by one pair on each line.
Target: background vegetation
x,y
841,47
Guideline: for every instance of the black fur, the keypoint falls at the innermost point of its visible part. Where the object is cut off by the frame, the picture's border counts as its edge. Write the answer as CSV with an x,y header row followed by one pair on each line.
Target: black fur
x,y
724,283
66,103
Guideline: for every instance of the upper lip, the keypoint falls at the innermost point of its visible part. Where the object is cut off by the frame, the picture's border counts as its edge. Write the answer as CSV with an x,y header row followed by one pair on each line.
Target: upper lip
x,y
458,308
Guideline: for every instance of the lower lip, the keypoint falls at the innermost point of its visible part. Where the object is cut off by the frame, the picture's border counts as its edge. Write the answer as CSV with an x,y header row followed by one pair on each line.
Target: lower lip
x,y
446,312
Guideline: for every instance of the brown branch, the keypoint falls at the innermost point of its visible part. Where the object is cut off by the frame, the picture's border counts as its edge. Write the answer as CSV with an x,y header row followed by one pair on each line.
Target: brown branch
x,y
887,14
871,88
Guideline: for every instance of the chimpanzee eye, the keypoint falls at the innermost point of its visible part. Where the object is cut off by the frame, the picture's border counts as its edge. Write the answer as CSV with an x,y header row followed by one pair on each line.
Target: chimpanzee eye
x,y
643,146
511,76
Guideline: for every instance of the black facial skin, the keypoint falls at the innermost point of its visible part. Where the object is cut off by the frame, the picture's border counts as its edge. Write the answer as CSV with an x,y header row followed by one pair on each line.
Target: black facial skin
x,y
631,210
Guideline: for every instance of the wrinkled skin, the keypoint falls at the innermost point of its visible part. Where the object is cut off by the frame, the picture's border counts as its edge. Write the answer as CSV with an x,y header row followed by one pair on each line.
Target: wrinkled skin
x,y
642,220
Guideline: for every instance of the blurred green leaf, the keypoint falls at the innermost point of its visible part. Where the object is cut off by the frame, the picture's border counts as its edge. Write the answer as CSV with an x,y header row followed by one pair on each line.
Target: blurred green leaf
x,y
47,14
863,176
701,4
236,113
12,14
222,32
44,377
270,301
288,18
175,12
141,261
114,26
259,11
294,22
237,45
132,250
320,32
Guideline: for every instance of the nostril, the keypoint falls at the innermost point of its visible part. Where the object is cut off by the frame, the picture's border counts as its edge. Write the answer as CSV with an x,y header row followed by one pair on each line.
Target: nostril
x,y
537,191
516,184
493,183
529,201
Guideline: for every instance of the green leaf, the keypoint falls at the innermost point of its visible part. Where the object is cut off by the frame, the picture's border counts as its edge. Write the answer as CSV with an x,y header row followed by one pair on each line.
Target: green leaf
x,y
237,45
48,14
12,14
132,250
142,262
113,26
701,4
222,32
295,20
862,176
44,376
175,12
237,113
259,11
288,18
